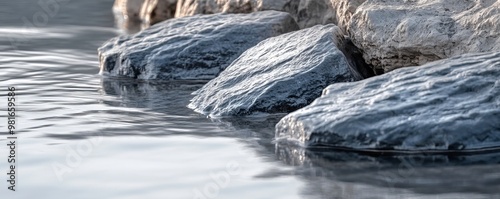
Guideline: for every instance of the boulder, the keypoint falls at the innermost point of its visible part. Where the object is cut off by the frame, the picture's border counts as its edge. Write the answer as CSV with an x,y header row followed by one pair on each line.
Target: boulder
x,y
280,74
154,11
448,105
396,34
197,47
307,13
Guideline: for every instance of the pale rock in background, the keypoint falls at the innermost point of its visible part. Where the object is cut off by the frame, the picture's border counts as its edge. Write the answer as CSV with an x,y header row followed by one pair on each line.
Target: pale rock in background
x,y
278,75
394,34
154,11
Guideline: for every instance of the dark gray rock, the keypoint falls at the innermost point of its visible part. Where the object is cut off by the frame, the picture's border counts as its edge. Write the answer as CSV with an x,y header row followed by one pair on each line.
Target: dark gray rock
x,y
280,74
448,105
197,47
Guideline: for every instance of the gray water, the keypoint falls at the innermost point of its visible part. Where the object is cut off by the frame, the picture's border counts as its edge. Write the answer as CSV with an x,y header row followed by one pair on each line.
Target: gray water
x,y
85,136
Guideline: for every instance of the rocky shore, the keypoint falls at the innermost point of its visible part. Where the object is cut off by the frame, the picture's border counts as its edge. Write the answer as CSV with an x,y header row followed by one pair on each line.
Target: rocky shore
x,y
354,74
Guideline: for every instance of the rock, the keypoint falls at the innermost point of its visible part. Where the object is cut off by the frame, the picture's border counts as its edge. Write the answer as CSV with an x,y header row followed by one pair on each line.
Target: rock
x,y
343,11
134,15
127,14
448,105
155,11
395,34
128,9
197,47
280,74
307,13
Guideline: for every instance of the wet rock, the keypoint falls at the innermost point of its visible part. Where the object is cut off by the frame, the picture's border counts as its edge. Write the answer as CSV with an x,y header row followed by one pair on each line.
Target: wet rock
x,y
448,105
307,13
280,74
154,11
395,34
197,47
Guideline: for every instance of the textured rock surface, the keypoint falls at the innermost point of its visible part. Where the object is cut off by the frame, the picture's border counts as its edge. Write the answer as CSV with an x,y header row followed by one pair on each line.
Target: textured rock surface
x,y
307,13
453,104
405,33
197,47
280,74
154,11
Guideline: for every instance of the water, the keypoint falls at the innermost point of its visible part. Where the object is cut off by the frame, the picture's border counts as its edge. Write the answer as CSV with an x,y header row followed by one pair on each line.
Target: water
x,y
84,136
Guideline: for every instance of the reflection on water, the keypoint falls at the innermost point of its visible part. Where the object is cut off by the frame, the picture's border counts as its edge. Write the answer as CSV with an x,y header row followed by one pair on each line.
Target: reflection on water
x,y
151,146
342,174
467,176
163,108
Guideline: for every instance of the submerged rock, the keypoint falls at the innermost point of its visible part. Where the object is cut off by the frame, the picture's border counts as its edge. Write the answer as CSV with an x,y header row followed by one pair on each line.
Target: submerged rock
x,y
448,105
280,74
395,34
197,47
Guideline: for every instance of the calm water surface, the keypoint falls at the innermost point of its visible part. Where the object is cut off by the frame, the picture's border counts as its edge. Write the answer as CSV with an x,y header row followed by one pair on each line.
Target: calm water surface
x,y
85,136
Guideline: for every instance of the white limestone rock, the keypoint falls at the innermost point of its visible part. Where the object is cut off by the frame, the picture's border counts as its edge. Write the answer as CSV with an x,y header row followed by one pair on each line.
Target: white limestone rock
x,y
395,33
280,74
447,105
197,47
